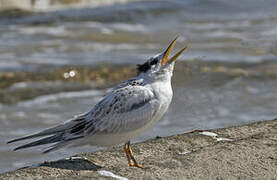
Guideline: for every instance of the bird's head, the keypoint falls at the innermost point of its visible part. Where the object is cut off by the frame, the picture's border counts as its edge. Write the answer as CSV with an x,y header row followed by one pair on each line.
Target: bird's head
x,y
160,66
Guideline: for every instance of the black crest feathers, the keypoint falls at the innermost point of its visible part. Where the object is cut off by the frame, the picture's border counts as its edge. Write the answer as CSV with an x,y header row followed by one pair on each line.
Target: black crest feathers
x,y
146,66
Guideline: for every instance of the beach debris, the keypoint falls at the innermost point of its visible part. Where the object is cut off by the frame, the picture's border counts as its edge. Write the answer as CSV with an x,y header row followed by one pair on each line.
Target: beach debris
x,y
76,158
207,133
69,74
185,151
66,75
223,139
214,136
110,174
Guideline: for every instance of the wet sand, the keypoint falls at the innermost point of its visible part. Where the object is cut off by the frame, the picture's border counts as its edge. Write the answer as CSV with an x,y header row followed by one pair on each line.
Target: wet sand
x,y
239,152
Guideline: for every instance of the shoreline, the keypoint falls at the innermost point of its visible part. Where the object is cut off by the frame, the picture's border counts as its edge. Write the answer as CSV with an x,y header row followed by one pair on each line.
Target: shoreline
x,y
24,85
246,151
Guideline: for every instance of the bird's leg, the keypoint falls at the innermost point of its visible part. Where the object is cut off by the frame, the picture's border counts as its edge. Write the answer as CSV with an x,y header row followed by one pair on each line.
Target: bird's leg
x,y
130,157
127,152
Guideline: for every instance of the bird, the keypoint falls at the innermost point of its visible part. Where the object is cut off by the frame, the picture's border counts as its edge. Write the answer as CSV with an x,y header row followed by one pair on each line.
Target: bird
x,y
128,110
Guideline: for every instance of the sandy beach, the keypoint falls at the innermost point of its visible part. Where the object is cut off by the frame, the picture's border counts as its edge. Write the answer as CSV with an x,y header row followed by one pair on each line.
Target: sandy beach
x,y
239,152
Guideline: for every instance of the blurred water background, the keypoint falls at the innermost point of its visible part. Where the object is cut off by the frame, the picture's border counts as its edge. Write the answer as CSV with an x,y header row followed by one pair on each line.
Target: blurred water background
x,y
48,48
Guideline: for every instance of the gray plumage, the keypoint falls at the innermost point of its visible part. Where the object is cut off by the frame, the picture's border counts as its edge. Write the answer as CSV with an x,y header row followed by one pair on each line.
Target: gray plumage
x,y
111,115
129,109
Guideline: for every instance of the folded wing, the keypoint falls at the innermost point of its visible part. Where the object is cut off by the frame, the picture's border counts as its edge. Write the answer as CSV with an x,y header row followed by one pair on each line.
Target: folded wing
x,y
124,109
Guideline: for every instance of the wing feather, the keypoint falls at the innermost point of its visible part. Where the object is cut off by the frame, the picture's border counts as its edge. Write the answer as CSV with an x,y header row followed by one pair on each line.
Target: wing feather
x,y
125,109
129,106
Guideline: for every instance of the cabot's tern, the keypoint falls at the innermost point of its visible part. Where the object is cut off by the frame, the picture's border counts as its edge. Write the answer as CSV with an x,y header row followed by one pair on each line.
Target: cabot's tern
x,y
127,111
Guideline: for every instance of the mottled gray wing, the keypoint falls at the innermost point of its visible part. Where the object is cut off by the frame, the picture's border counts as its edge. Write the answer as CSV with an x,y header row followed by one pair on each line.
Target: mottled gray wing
x,y
124,109
130,82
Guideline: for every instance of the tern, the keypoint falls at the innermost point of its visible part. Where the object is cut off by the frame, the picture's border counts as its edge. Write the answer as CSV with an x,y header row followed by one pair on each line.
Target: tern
x,y
128,110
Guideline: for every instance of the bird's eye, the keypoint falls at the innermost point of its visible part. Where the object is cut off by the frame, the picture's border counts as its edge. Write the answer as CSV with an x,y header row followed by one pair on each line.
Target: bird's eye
x,y
154,61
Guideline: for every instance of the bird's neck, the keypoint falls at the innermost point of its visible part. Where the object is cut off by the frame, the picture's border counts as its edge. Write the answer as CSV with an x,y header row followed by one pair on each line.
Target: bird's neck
x,y
152,78
160,84
162,89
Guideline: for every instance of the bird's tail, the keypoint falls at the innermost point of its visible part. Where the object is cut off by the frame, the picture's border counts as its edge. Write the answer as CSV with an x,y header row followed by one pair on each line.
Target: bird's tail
x,y
60,135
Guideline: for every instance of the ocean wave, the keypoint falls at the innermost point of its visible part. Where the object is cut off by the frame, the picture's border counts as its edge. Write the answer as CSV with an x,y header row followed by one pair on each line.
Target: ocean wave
x,y
57,31
50,5
125,12
6,65
217,25
63,95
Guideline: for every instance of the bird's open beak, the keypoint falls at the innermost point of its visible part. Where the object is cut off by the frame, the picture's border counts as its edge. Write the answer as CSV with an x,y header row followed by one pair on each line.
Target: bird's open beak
x,y
167,53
